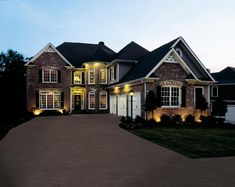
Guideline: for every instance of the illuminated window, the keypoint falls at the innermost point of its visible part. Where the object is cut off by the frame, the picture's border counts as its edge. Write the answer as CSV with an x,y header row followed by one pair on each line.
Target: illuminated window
x,y
49,76
103,100
112,72
91,99
170,96
91,76
103,76
77,79
49,99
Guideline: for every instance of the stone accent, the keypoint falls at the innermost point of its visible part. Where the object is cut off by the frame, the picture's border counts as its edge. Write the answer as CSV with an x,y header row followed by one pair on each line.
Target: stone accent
x,y
51,60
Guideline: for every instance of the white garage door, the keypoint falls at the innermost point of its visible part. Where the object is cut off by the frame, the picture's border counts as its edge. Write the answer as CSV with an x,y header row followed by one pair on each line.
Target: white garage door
x,y
230,115
122,105
112,104
136,105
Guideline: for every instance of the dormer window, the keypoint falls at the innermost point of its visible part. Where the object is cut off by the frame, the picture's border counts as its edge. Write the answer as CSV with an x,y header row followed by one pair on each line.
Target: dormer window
x,y
91,76
103,76
49,76
112,72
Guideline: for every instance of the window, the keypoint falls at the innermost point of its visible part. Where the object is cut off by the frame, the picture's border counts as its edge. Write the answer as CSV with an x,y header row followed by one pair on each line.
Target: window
x,y
77,79
112,72
49,76
103,100
170,96
91,100
214,91
103,76
49,100
91,76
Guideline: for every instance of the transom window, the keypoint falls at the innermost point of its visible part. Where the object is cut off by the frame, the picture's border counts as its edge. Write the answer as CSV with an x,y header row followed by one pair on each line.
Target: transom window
x,y
91,76
49,76
91,99
214,91
49,99
170,96
77,79
103,100
103,76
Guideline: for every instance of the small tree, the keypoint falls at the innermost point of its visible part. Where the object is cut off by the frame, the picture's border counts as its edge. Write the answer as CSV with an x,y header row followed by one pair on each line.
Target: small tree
x,y
150,102
219,108
201,103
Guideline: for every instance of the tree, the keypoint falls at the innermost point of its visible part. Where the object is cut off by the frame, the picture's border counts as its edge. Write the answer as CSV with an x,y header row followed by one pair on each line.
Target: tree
x,y
201,103
12,82
219,107
151,102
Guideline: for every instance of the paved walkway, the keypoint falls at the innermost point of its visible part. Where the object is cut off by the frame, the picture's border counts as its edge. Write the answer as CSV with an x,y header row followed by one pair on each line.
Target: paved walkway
x,y
91,150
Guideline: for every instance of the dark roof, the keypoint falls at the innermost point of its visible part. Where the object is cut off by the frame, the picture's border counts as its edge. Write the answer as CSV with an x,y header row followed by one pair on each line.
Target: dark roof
x,y
226,76
147,62
131,51
78,53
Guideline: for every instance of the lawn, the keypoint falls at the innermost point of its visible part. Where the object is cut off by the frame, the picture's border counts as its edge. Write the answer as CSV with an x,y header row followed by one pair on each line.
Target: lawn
x,y
192,142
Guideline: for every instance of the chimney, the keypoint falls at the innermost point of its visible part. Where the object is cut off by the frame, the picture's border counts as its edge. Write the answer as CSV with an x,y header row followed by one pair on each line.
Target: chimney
x,y
101,43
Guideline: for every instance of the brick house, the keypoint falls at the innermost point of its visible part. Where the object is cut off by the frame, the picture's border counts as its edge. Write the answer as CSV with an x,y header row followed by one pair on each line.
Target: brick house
x,y
79,77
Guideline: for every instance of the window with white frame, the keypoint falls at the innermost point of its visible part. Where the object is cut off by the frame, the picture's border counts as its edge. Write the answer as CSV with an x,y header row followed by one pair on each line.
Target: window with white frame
x,y
49,99
77,79
112,72
103,100
170,96
214,91
91,76
49,76
91,100
103,76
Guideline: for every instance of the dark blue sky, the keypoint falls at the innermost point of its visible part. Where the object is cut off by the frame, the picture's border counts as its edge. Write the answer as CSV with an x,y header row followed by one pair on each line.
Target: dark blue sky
x,y
207,26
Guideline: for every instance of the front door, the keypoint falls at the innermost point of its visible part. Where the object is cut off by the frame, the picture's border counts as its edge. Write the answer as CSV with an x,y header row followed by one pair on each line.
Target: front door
x,y
77,102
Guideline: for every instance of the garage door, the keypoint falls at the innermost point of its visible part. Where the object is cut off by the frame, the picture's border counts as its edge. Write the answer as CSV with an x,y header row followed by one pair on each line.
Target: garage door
x,y
136,105
230,115
112,104
122,105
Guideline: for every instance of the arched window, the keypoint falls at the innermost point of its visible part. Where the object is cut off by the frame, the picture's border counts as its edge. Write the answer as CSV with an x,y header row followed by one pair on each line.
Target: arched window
x,y
91,76
103,76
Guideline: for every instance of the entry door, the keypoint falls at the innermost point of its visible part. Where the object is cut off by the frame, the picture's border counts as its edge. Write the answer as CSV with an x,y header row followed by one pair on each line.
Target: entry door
x,y
77,102
198,94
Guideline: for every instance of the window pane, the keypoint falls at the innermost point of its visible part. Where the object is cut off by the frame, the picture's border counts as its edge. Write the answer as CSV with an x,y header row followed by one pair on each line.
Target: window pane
x,y
53,75
103,100
43,101
91,76
103,75
91,100
77,78
46,75
49,100
56,101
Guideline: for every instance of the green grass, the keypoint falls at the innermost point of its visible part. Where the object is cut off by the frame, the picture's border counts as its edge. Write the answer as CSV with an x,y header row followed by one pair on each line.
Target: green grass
x,y
192,142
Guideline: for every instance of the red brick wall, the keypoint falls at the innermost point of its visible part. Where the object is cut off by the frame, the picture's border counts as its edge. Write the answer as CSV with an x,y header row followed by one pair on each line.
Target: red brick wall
x,y
53,60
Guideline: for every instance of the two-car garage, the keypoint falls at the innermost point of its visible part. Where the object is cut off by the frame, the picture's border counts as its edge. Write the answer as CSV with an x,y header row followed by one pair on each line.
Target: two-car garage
x,y
118,104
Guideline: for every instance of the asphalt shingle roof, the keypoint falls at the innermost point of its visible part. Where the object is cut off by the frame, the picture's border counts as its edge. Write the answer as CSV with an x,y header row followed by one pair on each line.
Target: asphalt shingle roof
x,y
147,62
131,51
226,76
78,53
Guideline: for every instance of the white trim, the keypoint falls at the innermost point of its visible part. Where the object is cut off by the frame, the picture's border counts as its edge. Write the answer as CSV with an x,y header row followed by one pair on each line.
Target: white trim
x,y
106,95
46,93
170,96
212,91
49,45
194,94
158,64
106,75
194,55
89,94
89,70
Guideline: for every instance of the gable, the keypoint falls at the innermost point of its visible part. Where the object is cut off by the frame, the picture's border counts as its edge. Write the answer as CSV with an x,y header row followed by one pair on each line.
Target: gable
x,y
48,49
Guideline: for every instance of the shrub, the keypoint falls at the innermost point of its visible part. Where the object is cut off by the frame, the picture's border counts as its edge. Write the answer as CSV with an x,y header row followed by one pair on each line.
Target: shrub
x,y
166,120
152,123
190,120
177,120
139,120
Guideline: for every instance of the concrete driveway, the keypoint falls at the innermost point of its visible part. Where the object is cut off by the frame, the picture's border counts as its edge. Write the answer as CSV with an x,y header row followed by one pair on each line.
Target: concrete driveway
x,y
91,150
